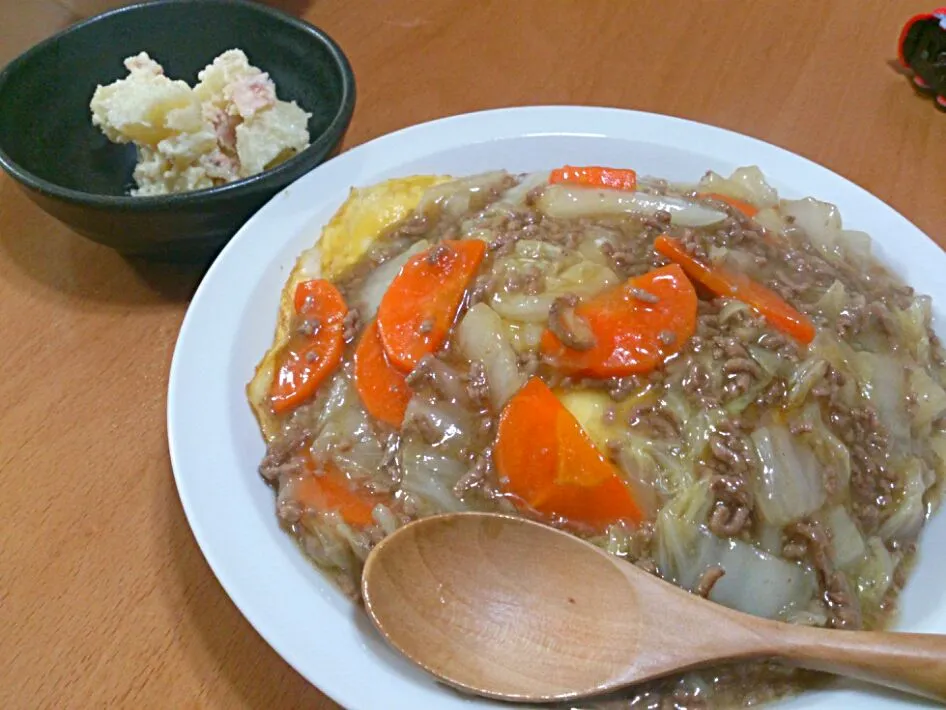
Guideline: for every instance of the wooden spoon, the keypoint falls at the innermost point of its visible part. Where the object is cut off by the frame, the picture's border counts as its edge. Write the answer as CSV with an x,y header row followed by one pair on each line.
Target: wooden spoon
x,y
514,610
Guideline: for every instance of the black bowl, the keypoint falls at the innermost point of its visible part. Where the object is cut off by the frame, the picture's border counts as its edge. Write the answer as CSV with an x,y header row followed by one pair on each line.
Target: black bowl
x,y
69,168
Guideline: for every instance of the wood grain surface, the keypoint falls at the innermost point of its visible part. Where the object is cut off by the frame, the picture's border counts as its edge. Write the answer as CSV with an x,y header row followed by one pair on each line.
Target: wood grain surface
x,y
105,599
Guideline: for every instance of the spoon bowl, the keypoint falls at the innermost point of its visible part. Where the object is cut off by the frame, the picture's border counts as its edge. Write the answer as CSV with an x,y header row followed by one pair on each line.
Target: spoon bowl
x,y
515,610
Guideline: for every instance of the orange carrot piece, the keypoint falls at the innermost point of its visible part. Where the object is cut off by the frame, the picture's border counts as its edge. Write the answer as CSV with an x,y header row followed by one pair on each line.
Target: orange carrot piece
x,y
419,307
631,334
330,490
596,176
730,284
547,464
747,208
382,387
309,357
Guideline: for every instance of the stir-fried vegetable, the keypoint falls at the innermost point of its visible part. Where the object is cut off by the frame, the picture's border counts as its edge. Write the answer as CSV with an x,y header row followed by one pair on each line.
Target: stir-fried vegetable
x,y
314,349
847,542
369,296
382,387
930,398
574,201
594,176
548,464
446,426
790,483
876,574
754,582
458,197
747,208
328,490
883,383
734,285
677,529
820,221
906,521
634,327
516,195
419,307
746,184
914,327
481,337
429,477
831,452
558,273
833,302
346,434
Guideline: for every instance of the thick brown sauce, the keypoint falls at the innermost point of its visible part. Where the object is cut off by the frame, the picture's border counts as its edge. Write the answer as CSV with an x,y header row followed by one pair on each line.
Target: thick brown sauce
x,y
736,385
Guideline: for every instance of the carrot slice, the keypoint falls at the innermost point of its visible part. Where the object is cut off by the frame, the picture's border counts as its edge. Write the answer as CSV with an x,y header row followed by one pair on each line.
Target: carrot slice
x,y
382,387
596,176
747,208
330,490
631,335
314,348
547,463
420,305
730,284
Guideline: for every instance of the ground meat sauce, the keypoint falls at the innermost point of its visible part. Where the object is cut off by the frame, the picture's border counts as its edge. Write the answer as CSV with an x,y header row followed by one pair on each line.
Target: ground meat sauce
x,y
692,434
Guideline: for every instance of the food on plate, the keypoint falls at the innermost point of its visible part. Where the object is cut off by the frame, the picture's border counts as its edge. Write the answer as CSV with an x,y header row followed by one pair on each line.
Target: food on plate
x,y
712,382
229,126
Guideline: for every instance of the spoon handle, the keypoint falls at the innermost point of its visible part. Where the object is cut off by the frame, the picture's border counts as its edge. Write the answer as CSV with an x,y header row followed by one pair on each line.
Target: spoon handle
x,y
912,662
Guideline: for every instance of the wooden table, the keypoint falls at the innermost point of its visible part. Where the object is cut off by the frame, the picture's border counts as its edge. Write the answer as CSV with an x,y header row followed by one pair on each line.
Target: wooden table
x,y
105,599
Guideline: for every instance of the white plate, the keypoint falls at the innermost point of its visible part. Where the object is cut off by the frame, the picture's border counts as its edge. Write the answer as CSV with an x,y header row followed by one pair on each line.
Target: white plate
x,y
215,445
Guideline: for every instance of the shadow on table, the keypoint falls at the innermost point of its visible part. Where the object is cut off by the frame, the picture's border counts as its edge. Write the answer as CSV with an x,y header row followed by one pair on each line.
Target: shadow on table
x,y
69,265
214,630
